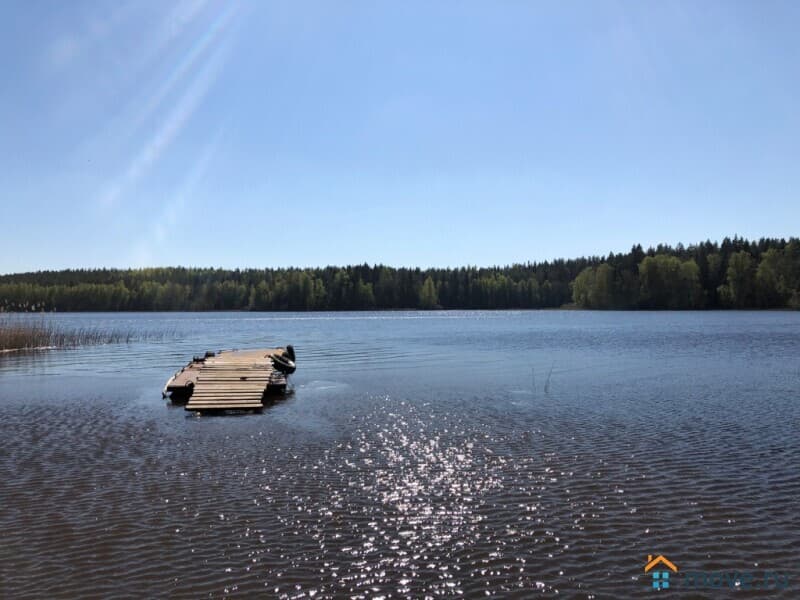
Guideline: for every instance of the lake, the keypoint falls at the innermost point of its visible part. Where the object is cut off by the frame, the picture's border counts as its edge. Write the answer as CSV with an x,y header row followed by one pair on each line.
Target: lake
x,y
419,454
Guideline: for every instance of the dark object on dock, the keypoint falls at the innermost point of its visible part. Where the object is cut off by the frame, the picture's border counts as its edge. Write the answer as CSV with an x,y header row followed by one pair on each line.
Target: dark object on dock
x,y
230,379
284,362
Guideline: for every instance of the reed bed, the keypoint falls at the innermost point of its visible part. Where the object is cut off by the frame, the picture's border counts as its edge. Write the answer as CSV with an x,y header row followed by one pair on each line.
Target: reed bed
x,y
19,335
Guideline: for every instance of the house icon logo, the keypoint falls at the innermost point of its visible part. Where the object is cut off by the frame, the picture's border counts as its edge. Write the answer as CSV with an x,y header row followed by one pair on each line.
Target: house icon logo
x,y
659,567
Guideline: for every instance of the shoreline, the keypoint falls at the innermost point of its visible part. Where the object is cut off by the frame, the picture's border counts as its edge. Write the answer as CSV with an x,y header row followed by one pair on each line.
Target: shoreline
x,y
566,308
34,349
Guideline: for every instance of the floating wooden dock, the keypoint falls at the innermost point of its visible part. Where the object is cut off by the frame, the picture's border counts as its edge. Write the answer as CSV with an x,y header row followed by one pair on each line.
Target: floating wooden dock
x,y
228,380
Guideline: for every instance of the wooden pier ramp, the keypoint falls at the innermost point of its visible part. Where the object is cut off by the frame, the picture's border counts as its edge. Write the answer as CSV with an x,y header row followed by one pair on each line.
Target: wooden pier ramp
x,y
233,380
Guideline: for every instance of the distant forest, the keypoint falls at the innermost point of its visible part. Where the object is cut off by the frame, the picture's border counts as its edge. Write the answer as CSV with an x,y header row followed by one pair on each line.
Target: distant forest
x,y
734,274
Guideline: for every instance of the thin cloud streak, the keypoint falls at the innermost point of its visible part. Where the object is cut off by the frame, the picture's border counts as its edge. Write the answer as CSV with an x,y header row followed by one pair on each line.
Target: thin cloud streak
x,y
152,151
170,215
178,56
188,63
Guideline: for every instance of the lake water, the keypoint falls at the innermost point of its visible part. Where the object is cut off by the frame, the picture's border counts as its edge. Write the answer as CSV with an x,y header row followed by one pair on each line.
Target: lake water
x,y
420,454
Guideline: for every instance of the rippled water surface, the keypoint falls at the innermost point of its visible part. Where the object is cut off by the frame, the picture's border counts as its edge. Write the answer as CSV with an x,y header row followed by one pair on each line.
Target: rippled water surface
x,y
505,454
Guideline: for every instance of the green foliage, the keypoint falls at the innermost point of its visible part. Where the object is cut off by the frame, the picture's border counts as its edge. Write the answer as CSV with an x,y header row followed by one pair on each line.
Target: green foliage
x,y
361,287
582,288
428,296
668,282
739,290
736,273
771,280
702,276
605,287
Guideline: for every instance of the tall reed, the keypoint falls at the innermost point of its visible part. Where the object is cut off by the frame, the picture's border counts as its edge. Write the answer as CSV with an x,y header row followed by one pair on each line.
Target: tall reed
x,y
31,335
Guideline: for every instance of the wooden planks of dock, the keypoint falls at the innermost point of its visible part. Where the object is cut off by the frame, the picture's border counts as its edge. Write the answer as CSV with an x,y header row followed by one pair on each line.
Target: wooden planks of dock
x,y
235,380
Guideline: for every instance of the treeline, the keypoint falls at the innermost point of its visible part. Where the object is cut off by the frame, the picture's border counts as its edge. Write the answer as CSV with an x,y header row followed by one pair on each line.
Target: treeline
x,y
360,287
736,273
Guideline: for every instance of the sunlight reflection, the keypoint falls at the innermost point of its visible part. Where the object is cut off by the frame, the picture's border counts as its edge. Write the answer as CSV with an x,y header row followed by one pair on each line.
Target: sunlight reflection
x,y
203,61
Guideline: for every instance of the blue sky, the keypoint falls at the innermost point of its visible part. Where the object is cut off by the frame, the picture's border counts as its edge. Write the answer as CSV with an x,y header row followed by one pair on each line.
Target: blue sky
x,y
254,134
